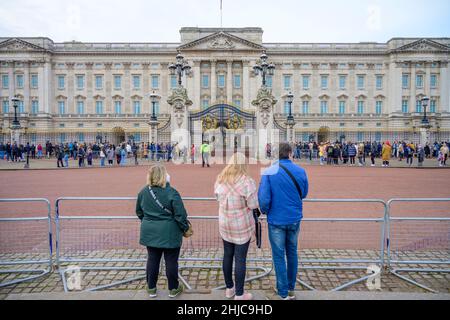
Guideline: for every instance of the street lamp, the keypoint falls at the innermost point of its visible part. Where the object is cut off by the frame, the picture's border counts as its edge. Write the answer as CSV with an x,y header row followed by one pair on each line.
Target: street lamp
x,y
425,101
154,99
16,123
290,117
264,68
179,68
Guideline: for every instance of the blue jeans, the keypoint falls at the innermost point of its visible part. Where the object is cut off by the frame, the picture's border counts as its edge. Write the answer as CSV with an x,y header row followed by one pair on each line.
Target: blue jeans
x,y
284,240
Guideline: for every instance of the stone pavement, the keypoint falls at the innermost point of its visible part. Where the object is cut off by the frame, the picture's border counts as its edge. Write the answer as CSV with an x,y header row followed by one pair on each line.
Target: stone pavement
x,y
219,295
207,275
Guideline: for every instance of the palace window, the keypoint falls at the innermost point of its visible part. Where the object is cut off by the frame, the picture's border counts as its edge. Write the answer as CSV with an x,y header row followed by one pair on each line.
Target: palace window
x,y
61,107
378,107
286,108
221,81
432,106
237,81
157,107
62,137
419,81
360,136
205,81
80,107
269,81
99,82
361,82
118,107
81,137
342,82
5,106
34,107
137,107
418,106
341,107
173,82
205,103
61,82
80,82
305,107
405,106
5,81
34,81
237,103
19,81
433,81
155,81
360,107
323,107
379,82
99,107
136,82
117,82
405,81
305,81
324,82
377,136
21,107
287,81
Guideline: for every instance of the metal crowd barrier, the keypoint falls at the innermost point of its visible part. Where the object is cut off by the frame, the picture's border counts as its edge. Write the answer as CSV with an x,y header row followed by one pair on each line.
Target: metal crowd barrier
x,y
420,244
80,238
26,242
347,262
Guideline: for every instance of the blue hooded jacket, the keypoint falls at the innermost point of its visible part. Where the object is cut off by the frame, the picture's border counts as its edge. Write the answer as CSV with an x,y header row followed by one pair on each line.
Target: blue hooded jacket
x,y
278,197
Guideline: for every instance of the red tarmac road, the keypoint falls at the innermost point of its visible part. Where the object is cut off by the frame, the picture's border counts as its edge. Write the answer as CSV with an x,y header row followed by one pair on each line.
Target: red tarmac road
x,y
195,181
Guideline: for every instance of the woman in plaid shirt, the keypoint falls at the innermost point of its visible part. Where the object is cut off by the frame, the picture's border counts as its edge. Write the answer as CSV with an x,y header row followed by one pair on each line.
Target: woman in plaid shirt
x,y
237,195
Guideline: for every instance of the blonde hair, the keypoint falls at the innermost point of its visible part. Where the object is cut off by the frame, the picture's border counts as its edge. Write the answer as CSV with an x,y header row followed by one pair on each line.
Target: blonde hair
x,y
157,176
237,167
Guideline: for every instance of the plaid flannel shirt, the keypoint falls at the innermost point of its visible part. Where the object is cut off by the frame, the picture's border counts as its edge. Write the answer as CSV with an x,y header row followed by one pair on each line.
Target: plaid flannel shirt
x,y
236,204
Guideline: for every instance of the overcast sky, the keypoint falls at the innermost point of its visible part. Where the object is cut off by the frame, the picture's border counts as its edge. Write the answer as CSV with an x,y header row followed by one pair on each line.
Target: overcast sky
x,y
281,20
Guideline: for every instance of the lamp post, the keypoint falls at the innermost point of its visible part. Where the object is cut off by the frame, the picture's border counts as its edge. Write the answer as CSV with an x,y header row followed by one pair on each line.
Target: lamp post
x,y
264,67
290,122
15,125
179,68
154,98
425,123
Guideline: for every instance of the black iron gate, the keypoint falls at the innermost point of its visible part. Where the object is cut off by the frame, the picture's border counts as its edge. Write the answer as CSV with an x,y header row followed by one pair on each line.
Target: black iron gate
x,y
225,127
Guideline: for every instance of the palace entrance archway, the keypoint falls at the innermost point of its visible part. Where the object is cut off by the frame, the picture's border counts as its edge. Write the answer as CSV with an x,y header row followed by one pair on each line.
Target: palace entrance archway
x,y
118,136
226,127
323,135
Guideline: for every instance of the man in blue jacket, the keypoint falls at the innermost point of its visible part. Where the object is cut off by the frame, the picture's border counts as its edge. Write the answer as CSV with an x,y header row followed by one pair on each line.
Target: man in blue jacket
x,y
281,199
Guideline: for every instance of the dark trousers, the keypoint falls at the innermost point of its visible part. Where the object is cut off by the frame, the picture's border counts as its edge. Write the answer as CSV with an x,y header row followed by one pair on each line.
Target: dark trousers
x,y
352,160
60,161
372,158
153,261
239,253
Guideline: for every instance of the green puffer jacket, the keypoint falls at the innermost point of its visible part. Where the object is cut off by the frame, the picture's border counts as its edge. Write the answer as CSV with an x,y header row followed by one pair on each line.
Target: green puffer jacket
x,y
159,229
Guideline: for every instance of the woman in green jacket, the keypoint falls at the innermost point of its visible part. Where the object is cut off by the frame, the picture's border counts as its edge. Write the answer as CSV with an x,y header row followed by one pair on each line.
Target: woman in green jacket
x,y
163,223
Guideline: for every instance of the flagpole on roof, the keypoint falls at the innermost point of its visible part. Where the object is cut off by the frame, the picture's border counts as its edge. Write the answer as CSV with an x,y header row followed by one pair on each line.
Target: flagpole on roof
x,y
221,14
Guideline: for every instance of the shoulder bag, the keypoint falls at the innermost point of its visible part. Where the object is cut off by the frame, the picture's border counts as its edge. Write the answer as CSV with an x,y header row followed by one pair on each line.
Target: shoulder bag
x,y
189,232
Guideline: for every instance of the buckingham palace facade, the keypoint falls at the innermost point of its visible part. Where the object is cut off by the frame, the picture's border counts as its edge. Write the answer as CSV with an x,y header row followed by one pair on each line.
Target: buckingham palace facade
x,y
77,91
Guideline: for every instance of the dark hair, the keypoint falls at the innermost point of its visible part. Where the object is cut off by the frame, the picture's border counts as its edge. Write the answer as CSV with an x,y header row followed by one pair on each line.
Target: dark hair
x,y
284,150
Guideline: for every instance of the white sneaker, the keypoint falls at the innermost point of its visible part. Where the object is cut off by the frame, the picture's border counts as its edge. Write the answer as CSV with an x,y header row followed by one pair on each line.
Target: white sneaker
x,y
230,293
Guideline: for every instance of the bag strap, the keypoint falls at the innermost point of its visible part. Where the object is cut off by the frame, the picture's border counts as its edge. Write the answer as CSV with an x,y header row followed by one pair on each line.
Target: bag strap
x,y
157,201
293,180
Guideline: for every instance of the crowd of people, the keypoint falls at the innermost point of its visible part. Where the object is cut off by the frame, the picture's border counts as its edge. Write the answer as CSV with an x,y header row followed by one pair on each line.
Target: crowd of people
x,y
326,153
352,154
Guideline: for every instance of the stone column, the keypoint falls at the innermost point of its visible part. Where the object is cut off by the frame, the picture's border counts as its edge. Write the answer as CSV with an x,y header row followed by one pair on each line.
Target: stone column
x,y
246,84
89,107
179,110
70,84
264,104
26,87
197,81
153,131
230,81
443,83
412,85
213,82
109,108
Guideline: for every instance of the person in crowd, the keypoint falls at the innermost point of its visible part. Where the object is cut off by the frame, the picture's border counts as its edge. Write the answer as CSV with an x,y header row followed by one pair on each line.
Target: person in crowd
x,y
110,155
352,153
60,156
237,195
66,157
80,155
163,223
89,157
205,151
118,155
386,153
409,154
420,155
445,151
39,151
373,153
102,157
361,158
282,189
123,155
134,150
322,153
